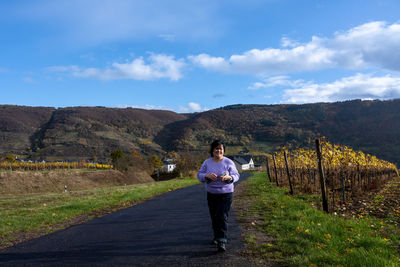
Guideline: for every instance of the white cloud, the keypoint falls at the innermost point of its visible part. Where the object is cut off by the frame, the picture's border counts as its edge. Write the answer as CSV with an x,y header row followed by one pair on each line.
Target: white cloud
x,y
209,62
147,106
189,108
275,81
371,45
360,86
158,66
287,42
192,107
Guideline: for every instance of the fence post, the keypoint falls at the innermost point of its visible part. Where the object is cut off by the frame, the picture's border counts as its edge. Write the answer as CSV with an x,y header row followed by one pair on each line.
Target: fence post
x,y
288,173
321,176
343,188
276,172
268,172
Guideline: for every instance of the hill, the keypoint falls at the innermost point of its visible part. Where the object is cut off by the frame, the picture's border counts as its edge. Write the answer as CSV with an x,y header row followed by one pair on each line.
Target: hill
x,y
80,132
371,126
93,132
18,124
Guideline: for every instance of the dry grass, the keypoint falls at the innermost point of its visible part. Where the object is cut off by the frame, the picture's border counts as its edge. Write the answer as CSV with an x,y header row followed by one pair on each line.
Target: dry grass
x,y
21,183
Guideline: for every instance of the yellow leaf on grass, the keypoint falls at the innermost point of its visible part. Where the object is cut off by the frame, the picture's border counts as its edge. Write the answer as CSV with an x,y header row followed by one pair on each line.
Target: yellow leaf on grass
x,y
328,236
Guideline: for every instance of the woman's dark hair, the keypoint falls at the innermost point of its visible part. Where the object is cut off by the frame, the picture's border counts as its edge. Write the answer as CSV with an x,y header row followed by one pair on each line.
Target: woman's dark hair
x,y
214,145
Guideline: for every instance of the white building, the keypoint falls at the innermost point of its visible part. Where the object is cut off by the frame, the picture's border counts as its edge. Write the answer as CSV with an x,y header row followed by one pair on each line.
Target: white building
x,y
168,166
243,162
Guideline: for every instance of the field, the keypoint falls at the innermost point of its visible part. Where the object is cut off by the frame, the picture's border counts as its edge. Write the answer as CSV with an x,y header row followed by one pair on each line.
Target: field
x,y
13,165
54,181
290,230
340,174
278,228
27,216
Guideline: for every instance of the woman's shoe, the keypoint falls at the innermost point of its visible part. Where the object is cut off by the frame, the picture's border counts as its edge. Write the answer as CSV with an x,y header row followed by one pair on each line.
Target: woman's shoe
x,y
221,247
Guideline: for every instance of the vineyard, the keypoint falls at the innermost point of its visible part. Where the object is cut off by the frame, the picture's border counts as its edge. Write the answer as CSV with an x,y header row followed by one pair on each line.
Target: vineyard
x,y
39,166
340,174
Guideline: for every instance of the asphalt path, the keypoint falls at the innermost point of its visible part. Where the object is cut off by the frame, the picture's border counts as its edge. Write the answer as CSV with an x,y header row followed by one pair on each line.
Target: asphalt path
x,y
171,229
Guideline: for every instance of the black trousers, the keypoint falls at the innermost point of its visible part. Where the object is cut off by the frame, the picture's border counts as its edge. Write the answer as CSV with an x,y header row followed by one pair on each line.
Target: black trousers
x,y
219,206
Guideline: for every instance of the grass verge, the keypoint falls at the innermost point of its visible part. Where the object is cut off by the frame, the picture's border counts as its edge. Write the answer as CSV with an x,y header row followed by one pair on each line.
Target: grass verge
x,y
300,235
26,217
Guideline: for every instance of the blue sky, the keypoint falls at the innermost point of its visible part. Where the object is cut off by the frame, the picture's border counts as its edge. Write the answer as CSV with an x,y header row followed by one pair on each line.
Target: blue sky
x,y
190,56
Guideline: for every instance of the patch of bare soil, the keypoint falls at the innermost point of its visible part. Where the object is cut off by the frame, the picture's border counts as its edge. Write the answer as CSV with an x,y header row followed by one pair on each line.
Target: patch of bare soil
x,y
248,222
27,182
384,203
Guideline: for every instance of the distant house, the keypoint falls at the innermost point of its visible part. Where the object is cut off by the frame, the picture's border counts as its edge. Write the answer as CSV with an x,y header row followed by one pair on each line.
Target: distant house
x,y
168,166
243,162
244,151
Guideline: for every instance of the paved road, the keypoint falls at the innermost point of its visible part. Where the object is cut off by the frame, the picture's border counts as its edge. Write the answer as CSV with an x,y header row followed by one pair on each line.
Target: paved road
x,y
171,229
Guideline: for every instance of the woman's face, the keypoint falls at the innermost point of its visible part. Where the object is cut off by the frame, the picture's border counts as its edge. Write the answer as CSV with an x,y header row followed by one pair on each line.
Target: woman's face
x,y
218,152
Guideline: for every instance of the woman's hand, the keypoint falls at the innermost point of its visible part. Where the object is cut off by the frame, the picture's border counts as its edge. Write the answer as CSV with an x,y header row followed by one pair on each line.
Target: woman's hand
x,y
226,177
211,176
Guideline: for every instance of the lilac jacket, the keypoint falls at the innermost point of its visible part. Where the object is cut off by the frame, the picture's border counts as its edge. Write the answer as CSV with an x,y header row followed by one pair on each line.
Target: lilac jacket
x,y
218,186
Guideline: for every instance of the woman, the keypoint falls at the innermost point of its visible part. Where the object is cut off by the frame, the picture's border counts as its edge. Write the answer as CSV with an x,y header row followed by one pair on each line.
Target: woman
x,y
219,173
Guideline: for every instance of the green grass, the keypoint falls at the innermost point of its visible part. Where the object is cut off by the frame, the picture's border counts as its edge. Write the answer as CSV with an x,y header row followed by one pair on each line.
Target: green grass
x,y
305,236
22,216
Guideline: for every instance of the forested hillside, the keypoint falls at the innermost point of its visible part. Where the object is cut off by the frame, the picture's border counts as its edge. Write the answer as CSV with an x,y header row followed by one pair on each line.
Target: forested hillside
x,y
80,132
371,126
93,132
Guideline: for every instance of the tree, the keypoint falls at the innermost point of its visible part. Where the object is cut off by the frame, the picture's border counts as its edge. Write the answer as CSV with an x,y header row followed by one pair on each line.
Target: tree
x,y
116,155
188,164
9,158
173,155
155,162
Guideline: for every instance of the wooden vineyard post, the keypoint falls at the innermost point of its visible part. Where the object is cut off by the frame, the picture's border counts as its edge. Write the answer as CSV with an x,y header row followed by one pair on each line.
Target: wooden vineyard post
x,y
288,173
343,188
321,176
276,172
268,172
